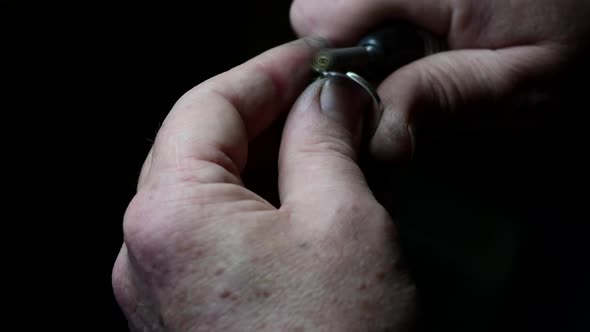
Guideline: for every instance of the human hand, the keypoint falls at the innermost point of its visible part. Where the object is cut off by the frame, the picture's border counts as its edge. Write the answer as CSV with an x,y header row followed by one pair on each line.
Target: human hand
x,y
498,50
204,253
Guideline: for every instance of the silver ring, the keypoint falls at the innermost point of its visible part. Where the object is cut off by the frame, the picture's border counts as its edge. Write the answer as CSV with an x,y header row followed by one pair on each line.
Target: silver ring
x,y
372,119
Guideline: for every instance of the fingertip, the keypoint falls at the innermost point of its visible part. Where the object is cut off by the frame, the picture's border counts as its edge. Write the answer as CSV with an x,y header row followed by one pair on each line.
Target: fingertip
x,y
295,18
311,18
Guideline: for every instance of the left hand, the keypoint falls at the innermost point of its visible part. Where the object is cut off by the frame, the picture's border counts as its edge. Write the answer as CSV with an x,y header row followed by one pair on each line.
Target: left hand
x,y
204,253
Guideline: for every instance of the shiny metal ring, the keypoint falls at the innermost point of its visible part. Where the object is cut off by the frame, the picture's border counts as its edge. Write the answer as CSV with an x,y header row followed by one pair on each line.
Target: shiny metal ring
x,y
372,119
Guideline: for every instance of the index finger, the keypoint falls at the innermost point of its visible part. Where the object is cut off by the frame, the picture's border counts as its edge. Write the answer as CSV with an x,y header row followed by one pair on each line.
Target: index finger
x,y
207,132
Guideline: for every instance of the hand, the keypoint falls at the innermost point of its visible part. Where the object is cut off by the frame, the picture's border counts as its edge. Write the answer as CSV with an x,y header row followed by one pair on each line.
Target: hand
x,y
497,49
204,253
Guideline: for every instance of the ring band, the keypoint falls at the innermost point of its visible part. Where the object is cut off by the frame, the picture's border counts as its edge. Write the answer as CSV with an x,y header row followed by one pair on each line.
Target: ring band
x,y
373,118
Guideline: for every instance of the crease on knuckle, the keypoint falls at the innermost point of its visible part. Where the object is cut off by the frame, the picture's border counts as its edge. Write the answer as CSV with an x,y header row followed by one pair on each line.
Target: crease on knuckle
x,y
443,84
207,163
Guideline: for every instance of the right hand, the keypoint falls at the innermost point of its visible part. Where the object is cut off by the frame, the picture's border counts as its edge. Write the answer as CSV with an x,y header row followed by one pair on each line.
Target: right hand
x,y
497,48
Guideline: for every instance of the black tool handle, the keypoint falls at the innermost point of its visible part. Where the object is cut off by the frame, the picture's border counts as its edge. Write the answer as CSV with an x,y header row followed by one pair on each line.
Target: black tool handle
x,y
397,44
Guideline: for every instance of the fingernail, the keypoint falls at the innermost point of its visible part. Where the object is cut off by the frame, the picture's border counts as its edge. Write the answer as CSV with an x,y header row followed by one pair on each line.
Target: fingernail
x,y
344,101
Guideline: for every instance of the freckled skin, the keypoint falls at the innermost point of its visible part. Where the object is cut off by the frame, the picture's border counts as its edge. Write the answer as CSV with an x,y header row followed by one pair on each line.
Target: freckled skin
x,y
266,277
368,307
204,253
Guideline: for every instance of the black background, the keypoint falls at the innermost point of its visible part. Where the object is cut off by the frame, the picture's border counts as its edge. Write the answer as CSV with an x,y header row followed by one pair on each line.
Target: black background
x,y
494,219
85,88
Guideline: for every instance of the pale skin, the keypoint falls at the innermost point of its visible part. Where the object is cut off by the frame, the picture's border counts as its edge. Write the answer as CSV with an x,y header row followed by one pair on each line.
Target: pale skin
x,y
496,48
204,253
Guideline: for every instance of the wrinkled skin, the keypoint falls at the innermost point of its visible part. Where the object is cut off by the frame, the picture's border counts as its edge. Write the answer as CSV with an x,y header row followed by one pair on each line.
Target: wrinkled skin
x,y
496,48
204,253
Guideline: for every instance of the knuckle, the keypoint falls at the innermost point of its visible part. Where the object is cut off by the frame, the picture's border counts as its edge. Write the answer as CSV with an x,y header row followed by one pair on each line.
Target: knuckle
x,y
165,229
146,230
207,163
121,285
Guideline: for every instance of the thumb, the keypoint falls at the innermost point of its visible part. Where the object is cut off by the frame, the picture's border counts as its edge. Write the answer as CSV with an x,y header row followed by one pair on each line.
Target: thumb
x,y
320,143
451,82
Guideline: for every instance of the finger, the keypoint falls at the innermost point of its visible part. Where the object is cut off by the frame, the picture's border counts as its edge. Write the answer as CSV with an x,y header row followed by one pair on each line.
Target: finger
x,y
145,169
205,136
317,159
345,22
451,82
